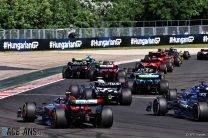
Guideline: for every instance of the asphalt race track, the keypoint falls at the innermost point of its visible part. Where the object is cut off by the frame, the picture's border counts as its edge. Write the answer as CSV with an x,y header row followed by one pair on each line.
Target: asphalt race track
x,y
131,121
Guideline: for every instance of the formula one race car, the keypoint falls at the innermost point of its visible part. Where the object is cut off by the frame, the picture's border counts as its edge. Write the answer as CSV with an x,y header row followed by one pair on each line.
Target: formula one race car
x,y
192,104
68,112
154,64
107,70
78,68
172,51
163,58
146,80
110,92
202,55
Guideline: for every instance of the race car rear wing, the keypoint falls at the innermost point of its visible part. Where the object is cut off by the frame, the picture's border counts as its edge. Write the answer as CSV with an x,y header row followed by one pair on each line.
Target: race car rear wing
x,y
107,66
204,50
108,84
148,76
85,102
78,64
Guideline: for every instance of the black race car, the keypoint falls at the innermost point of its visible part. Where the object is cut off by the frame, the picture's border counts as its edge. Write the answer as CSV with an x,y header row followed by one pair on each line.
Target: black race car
x,y
202,55
78,68
110,92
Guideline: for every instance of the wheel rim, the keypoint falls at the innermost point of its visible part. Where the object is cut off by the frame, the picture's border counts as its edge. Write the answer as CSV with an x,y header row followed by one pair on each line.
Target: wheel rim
x,y
156,106
53,119
24,110
196,112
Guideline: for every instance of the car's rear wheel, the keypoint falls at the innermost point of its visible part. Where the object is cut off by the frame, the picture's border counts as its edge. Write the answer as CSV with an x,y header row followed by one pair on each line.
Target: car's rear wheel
x,y
74,89
186,55
199,56
171,94
92,74
121,73
106,118
163,68
88,94
137,65
177,62
160,106
66,73
164,87
29,112
130,84
125,97
122,80
200,111
169,66
58,118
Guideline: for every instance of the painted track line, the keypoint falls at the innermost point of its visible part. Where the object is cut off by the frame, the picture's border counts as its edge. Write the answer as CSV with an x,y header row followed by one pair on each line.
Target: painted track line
x,y
42,82
30,86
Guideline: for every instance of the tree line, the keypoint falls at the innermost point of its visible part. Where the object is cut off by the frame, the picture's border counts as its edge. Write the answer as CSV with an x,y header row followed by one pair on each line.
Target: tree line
x,y
25,14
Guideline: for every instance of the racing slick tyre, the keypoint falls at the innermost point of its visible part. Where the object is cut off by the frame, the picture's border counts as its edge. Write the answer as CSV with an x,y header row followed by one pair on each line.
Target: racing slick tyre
x,y
106,118
65,73
137,66
136,90
163,68
169,66
162,75
177,62
125,97
122,80
199,57
186,55
74,89
88,94
164,87
28,112
171,94
200,111
130,84
92,74
59,119
160,106
121,73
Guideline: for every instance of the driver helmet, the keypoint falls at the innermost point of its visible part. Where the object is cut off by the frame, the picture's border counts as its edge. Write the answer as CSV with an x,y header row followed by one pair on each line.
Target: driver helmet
x,y
84,62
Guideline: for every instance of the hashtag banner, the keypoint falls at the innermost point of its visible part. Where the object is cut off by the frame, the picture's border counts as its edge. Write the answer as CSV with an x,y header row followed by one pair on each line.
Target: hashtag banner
x,y
99,42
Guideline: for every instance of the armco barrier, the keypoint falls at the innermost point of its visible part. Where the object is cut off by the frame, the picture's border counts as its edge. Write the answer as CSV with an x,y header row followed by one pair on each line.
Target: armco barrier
x,y
102,42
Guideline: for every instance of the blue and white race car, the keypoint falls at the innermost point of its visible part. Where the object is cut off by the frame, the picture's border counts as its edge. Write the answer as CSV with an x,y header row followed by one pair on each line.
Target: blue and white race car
x,y
192,104
110,92
146,80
